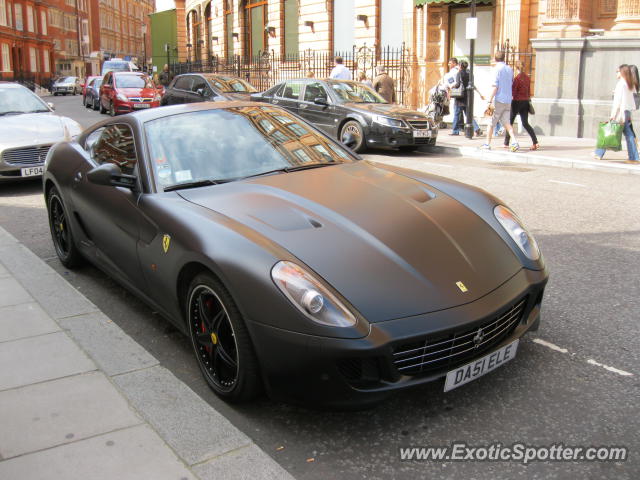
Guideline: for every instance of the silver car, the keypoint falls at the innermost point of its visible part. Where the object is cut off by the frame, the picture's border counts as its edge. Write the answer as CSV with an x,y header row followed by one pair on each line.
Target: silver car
x,y
65,85
28,128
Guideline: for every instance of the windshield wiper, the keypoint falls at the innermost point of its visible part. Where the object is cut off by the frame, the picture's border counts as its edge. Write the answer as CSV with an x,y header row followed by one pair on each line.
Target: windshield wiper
x,y
12,112
195,184
288,169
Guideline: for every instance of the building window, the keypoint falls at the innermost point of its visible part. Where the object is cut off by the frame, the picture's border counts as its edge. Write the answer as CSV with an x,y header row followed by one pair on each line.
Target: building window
x,y
3,13
18,10
45,60
228,28
32,60
344,16
255,21
43,22
30,18
290,27
6,62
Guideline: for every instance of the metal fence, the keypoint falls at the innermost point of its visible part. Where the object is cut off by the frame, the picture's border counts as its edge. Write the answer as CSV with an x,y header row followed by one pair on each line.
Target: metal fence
x,y
527,57
268,68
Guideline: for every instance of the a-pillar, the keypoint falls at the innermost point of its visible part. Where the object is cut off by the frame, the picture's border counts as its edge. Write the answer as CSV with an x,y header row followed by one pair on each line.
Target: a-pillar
x,y
628,19
567,18
181,30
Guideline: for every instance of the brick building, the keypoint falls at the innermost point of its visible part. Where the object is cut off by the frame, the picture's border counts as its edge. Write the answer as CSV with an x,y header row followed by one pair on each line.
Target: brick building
x,y
26,51
69,31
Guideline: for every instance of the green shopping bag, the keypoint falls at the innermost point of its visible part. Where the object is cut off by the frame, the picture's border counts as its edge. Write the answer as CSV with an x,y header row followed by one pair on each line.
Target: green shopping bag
x,y
610,136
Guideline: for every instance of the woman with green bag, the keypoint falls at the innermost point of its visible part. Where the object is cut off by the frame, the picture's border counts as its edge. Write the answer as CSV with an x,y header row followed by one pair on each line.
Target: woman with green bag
x,y
623,105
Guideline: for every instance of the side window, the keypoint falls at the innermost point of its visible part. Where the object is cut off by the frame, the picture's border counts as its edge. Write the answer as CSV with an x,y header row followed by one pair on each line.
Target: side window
x,y
116,146
313,91
291,90
198,83
184,83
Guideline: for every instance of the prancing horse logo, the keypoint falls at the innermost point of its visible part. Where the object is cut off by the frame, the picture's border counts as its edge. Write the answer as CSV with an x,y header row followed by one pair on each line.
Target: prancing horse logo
x,y
462,287
477,340
166,241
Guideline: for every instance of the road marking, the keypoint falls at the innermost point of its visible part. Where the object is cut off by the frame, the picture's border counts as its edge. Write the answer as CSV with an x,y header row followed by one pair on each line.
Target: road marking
x,y
550,345
568,183
611,369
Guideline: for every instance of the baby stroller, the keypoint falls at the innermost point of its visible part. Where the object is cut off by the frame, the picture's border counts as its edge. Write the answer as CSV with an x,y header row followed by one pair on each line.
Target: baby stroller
x,y
438,105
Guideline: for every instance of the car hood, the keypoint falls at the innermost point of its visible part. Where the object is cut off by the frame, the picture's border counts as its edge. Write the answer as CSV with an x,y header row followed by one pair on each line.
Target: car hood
x,y
392,246
31,129
387,109
137,92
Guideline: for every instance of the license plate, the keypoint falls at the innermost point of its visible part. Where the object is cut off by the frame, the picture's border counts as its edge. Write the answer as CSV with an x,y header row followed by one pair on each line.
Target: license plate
x,y
141,105
31,171
480,367
422,133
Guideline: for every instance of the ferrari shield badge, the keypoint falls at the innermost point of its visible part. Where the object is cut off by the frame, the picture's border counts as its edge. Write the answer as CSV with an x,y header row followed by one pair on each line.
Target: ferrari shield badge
x,y
166,241
460,285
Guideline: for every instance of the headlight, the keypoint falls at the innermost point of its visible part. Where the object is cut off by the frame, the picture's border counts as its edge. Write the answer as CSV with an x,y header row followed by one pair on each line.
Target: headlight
x,y
516,230
310,296
122,97
157,97
390,122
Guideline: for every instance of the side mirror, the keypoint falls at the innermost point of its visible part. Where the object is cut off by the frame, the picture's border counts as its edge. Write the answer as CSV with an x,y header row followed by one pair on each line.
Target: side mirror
x,y
200,92
51,106
109,174
349,140
320,101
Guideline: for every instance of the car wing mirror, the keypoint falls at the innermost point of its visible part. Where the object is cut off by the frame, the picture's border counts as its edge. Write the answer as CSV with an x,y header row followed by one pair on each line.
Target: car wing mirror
x,y
320,101
200,92
349,140
51,106
109,174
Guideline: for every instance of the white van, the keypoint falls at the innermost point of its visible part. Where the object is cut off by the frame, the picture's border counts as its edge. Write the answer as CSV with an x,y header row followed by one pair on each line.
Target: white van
x,y
118,65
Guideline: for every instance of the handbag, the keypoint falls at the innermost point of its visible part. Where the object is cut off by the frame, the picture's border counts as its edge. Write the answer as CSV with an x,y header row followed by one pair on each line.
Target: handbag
x,y
610,136
532,111
636,98
457,92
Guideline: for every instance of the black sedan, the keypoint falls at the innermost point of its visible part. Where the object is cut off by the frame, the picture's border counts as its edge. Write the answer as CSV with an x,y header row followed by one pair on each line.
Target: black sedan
x,y
339,107
201,87
292,264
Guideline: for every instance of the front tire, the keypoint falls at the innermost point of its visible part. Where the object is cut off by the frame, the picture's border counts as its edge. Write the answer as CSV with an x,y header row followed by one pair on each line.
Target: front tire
x,y
102,109
221,341
354,128
112,110
95,105
61,234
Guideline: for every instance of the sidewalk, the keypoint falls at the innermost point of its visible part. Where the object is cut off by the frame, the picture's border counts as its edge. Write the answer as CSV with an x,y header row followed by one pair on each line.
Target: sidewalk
x,y
554,151
79,399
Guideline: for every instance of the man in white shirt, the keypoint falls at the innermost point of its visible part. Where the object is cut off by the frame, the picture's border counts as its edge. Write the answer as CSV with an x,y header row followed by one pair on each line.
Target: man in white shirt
x,y
340,72
449,80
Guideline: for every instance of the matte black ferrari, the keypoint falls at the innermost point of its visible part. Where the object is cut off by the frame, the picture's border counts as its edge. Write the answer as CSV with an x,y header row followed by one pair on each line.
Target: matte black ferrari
x,y
341,107
292,264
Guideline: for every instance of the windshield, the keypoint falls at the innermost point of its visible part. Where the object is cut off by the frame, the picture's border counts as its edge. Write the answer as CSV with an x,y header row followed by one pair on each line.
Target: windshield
x,y
96,83
356,92
20,100
233,143
231,85
67,80
133,81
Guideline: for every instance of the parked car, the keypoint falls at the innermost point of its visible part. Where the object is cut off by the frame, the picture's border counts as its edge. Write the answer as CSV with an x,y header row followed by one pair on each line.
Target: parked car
x,y
92,95
339,107
201,87
124,92
28,128
66,85
289,262
118,65
85,84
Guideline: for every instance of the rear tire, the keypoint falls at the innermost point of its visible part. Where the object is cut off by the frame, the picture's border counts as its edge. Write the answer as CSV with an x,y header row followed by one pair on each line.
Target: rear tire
x,y
95,104
63,241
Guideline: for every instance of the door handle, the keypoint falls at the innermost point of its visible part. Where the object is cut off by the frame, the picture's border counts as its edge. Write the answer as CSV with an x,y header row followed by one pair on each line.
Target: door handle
x,y
78,177
276,102
302,105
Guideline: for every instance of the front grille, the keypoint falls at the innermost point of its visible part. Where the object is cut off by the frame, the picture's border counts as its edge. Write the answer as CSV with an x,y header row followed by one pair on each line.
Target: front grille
x,y
138,99
26,156
419,124
421,140
445,352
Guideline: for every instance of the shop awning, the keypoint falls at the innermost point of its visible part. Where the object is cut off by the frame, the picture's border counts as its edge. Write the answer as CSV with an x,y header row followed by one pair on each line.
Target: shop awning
x,y
420,3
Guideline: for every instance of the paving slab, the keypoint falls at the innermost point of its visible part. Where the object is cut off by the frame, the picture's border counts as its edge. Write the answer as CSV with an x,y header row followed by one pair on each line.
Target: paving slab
x,y
22,262
12,293
52,413
113,350
42,358
256,465
135,453
187,423
24,320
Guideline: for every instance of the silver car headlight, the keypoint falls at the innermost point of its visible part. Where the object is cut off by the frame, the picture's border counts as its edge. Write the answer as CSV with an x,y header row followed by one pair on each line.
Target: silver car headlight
x,y
310,296
516,230
122,97
389,122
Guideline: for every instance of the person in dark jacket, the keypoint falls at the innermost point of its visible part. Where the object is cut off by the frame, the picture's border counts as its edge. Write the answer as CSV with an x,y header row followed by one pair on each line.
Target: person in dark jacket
x,y
520,104
383,84
462,78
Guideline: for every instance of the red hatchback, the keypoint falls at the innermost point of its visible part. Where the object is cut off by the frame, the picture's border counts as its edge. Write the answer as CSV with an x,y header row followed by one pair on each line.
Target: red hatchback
x,y
125,92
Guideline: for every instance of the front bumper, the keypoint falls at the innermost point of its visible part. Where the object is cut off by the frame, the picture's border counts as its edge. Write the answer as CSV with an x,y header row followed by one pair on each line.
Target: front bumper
x,y
65,89
384,136
134,106
356,372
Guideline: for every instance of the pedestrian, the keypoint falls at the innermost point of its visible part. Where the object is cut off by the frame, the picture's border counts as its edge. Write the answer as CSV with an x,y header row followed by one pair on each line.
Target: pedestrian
x,y
449,81
462,79
520,104
340,72
623,105
501,91
165,76
311,74
384,85
362,78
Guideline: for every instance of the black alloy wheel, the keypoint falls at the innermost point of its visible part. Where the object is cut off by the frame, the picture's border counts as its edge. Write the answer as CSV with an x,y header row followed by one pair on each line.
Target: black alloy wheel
x,y
355,129
61,232
221,341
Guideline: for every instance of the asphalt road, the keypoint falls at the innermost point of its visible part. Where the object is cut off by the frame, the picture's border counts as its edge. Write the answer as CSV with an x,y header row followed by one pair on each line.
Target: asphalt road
x,y
571,390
